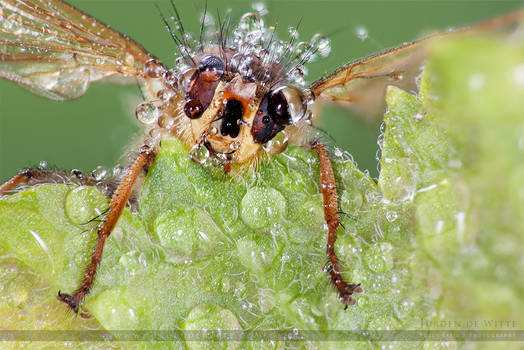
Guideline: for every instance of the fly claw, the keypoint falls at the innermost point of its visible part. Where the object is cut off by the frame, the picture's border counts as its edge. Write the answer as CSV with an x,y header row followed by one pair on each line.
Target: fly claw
x,y
347,295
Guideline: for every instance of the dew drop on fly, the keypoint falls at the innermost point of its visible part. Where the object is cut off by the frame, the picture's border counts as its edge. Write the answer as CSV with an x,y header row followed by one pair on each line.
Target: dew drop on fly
x,y
199,154
147,113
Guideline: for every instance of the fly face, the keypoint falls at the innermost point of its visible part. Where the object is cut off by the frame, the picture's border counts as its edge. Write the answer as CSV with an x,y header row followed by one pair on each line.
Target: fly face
x,y
235,115
236,96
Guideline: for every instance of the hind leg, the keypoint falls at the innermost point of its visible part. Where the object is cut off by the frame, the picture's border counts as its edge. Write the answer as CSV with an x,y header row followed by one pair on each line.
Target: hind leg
x,y
32,177
116,206
329,195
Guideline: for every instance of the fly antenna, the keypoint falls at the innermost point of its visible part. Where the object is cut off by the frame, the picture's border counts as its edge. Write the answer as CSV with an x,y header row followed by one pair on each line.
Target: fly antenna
x,y
177,41
139,86
202,23
178,21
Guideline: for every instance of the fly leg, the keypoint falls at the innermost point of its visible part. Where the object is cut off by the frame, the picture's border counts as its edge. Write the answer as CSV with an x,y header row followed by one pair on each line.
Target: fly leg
x,y
32,177
329,196
116,206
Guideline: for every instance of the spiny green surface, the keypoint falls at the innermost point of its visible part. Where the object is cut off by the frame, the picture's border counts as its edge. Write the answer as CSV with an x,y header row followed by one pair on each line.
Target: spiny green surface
x,y
438,239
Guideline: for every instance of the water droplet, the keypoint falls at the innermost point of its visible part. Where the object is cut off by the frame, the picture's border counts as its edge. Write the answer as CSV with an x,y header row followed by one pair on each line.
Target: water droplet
x,y
250,29
293,33
302,50
398,179
165,95
518,75
154,68
99,173
322,44
476,81
166,122
199,154
239,290
260,8
234,145
210,317
147,113
418,117
174,230
255,204
170,78
129,260
83,204
379,258
252,257
391,215
362,33
129,60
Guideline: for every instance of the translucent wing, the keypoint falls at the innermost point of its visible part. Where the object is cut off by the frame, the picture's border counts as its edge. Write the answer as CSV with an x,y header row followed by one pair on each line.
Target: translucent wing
x,y
55,50
361,85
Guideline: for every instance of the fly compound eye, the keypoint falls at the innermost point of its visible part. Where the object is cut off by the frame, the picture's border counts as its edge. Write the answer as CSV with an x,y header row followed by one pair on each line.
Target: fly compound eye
x,y
289,104
279,108
201,86
211,68
270,118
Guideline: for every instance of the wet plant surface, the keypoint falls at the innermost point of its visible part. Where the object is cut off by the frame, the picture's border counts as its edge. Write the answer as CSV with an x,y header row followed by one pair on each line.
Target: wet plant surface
x,y
438,238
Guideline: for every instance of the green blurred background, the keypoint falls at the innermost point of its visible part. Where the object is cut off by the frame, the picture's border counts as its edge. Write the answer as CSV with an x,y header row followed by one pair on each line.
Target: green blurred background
x,y
95,129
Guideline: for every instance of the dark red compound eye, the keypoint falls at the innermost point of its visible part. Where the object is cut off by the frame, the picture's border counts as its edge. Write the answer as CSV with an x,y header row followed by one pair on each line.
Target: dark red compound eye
x,y
202,85
272,117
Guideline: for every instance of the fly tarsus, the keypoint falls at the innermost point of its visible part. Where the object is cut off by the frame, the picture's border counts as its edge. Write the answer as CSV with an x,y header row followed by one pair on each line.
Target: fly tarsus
x,y
116,206
70,300
329,196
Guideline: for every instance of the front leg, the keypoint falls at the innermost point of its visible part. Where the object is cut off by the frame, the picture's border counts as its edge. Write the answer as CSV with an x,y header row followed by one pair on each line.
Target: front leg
x,y
116,206
329,196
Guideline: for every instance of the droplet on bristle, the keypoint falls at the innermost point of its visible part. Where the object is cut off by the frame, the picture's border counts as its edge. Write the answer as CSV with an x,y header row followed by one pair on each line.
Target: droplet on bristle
x,y
146,113
199,154
260,8
293,33
362,33
321,44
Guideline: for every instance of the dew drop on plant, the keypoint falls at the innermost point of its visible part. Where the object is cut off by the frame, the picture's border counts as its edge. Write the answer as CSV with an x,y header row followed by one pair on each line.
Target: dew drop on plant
x,y
303,49
225,285
240,289
476,81
518,75
142,260
260,207
266,299
210,317
379,258
391,215
351,202
129,260
83,204
175,231
418,117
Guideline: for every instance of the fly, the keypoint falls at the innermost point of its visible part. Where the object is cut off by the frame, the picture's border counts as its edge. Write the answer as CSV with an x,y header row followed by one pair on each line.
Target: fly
x,y
231,94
